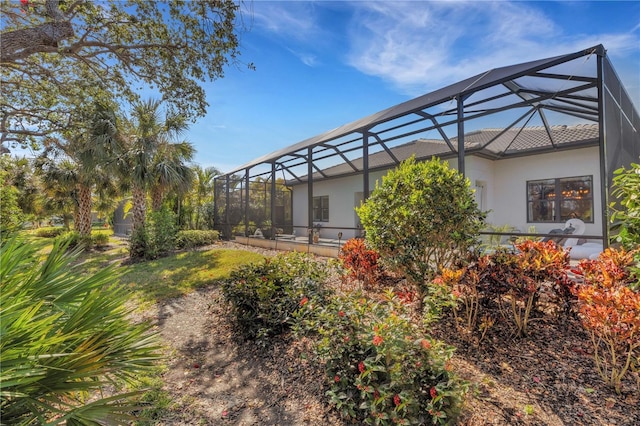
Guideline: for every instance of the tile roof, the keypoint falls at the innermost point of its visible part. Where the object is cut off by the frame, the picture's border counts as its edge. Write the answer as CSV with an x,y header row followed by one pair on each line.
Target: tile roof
x,y
490,142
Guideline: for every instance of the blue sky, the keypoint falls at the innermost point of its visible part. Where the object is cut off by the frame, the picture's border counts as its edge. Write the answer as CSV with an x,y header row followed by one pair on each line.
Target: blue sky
x,y
323,64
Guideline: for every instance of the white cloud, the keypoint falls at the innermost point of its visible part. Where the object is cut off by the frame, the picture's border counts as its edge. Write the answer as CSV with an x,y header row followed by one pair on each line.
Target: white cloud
x,y
309,59
294,23
287,19
420,46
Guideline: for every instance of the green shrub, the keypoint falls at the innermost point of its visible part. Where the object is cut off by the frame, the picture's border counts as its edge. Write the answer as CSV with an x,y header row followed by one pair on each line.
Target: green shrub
x,y
493,241
139,244
380,367
422,218
264,296
11,215
157,238
162,233
49,232
196,238
73,240
240,229
65,337
99,239
627,210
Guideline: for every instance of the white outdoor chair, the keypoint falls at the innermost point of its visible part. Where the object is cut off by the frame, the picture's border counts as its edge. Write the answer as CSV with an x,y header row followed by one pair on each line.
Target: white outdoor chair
x,y
586,250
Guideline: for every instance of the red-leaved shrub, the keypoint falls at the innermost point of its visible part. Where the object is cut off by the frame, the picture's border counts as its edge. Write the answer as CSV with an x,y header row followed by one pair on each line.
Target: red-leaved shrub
x,y
516,278
610,311
360,263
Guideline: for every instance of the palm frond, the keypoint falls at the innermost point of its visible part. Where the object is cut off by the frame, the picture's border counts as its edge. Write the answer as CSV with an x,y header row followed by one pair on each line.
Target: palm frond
x,y
65,334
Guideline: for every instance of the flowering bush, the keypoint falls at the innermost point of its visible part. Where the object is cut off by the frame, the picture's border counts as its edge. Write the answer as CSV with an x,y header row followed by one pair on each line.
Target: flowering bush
x,y
264,296
381,369
360,263
440,296
610,311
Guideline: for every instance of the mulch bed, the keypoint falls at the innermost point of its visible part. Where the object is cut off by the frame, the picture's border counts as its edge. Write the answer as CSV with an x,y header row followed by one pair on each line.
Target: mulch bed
x,y
547,378
215,378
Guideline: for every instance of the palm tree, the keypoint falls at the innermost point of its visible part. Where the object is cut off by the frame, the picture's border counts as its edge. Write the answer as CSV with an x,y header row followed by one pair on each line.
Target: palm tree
x,y
59,179
87,156
65,338
203,188
156,163
170,172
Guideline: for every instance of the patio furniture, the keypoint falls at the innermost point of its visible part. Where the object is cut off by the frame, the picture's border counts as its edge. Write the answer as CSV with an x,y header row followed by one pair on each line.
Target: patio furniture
x,y
581,249
291,236
257,234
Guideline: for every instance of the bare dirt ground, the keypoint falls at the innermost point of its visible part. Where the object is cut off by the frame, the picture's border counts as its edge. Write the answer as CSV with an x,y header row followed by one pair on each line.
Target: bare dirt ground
x,y
214,378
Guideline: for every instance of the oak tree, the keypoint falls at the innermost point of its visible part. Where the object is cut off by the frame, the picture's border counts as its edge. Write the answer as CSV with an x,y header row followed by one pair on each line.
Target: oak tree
x,y
58,57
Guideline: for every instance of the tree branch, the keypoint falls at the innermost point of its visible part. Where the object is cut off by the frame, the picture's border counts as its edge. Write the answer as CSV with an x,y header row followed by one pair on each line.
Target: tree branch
x,y
20,44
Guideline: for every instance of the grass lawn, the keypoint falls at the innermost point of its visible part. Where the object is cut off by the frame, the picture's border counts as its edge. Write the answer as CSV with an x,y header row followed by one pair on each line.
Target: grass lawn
x,y
160,279
181,273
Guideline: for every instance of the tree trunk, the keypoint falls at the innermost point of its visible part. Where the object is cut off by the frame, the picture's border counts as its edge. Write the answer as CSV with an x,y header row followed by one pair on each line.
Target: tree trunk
x,y
76,209
24,42
198,207
66,219
139,208
83,219
157,197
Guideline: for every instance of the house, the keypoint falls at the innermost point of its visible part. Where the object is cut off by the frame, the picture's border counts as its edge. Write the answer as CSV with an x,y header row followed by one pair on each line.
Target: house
x,y
539,142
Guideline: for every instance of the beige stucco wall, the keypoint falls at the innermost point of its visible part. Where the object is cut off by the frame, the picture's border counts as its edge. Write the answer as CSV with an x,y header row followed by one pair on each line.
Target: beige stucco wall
x,y
508,190
343,194
500,186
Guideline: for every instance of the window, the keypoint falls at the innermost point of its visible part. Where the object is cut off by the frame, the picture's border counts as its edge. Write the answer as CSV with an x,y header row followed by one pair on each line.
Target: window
x,y
321,209
557,200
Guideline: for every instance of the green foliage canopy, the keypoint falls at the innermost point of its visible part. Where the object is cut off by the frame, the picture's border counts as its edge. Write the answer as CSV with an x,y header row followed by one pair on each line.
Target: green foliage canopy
x,y
10,213
421,218
20,173
57,57
626,189
264,296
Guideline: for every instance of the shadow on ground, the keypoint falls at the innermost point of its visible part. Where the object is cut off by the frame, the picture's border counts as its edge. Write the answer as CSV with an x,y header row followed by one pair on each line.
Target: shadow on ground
x,y
214,378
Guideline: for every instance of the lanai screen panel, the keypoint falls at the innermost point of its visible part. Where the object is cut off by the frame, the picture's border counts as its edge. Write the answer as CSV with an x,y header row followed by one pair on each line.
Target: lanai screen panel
x,y
523,109
397,124
622,129
530,113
